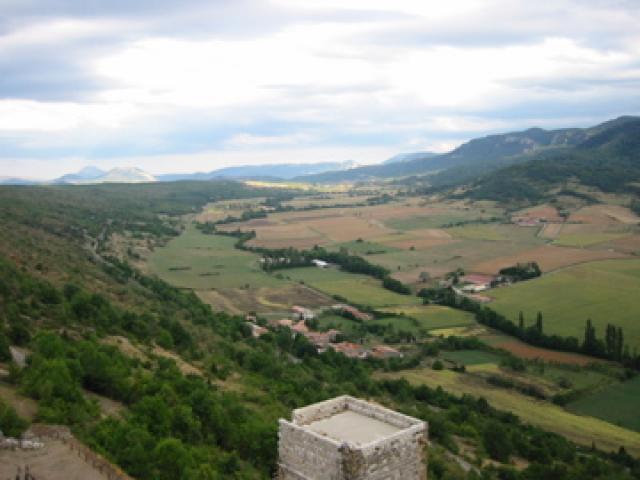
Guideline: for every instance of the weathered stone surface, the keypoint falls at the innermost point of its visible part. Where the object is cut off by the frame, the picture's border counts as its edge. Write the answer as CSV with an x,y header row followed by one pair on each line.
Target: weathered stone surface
x,y
304,454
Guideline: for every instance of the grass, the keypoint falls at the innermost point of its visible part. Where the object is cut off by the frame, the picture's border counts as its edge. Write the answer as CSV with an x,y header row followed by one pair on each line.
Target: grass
x,y
605,291
581,429
432,317
364,248
472,357
432,221
199,261
587,239
617,404
359,289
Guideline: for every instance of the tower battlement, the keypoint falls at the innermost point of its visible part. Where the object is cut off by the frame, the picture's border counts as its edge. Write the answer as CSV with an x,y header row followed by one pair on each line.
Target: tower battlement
x,y
350,439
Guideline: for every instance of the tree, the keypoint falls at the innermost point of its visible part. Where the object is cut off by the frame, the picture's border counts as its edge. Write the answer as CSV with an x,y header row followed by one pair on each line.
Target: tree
x,y
5,353
521,320
172,459
539,322
497,442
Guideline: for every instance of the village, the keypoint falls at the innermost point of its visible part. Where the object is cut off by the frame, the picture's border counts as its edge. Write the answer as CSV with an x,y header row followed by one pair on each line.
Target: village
x,y
298,323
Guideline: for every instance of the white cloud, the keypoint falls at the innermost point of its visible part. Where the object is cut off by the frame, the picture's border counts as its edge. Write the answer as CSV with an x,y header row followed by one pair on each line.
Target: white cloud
x,y
324,79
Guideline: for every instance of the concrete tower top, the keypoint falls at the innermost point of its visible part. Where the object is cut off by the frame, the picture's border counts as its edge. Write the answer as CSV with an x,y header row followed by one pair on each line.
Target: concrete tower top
x,y
347,438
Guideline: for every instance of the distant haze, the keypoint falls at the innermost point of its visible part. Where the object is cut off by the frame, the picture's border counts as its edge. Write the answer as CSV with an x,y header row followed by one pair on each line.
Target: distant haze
x,y
179,87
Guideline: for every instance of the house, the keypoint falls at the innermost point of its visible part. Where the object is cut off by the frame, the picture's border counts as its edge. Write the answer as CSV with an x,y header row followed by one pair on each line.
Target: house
x,y
480,298
384,351
257,330
300,327
352,312
302,313
477,282
320,263
322,339
351,350
284,322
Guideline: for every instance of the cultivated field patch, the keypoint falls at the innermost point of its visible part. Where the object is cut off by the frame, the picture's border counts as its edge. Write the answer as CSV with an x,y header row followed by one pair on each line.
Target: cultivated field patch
x,y
581,429
549,257
604,291
198,261
264,299
359,289
433,317
617,403
471,357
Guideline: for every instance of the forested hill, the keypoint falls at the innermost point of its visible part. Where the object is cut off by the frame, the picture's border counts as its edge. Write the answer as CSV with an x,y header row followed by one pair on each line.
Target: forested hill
x,y
608,160
477,155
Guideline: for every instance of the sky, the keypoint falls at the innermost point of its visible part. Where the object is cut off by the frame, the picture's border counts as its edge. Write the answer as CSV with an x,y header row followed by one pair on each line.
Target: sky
x,y
197,85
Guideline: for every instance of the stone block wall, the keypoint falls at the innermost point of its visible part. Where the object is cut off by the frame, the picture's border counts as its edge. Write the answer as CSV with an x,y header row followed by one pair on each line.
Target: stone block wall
x,y
303,455
306,455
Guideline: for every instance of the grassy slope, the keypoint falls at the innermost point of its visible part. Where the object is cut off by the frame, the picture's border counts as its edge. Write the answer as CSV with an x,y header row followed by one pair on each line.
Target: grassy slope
x,y
604,291
617,403
212,262
582,430
432,317
359,289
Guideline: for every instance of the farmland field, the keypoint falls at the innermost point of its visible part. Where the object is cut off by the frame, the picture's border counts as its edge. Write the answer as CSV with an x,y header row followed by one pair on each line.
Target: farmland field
x,y
358,289
549,257
605,291
581,429
199,261
432,317
618,404
471,357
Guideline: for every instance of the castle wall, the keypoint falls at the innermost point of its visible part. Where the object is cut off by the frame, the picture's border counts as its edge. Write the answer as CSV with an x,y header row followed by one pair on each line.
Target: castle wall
x,y
304,455
307,455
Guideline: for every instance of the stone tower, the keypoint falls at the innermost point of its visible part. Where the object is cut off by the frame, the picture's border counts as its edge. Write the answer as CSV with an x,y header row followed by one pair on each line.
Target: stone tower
x,y
350,439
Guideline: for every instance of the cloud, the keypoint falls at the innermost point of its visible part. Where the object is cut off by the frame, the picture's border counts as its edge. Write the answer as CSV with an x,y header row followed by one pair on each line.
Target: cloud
x,y
241,81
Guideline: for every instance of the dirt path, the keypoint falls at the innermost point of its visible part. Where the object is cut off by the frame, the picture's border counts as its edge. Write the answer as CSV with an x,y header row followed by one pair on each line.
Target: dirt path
x,y
55,461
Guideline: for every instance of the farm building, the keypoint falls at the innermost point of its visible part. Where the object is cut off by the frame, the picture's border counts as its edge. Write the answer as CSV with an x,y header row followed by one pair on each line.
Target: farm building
x,y
384,351
300,327
351,350
352,311
320,263
302,313
347,438
257,330
283,322
322,339
477,282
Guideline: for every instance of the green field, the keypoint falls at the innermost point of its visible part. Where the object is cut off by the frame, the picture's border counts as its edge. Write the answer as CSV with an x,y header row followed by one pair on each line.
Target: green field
x,y
497,232
471,357
364,248
587,239
581,429
432,221
196,260
431,317
618,404
605,292
359,289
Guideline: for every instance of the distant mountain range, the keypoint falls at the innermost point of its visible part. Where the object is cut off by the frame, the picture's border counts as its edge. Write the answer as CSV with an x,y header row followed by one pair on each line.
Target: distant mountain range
x,y
475,157
281,171
405,157
602,151
90,175
607,157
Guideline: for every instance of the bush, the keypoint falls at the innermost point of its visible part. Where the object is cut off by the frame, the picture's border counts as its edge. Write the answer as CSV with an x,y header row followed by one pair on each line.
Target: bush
x,y
437,365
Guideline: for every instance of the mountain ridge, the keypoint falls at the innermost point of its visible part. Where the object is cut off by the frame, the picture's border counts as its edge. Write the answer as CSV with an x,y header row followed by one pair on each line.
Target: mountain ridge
x,y
494,149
